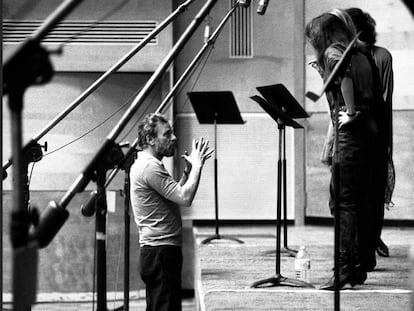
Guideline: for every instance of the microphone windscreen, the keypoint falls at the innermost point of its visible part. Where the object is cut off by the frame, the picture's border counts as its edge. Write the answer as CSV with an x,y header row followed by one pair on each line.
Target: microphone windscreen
x,y
51,221
206,33
261,9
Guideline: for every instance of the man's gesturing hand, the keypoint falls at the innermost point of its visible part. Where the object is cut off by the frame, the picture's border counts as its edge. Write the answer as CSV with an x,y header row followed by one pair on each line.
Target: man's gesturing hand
x,y
199,154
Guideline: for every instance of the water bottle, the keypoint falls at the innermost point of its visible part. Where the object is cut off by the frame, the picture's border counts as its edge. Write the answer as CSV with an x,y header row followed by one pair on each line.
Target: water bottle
x,y
303,265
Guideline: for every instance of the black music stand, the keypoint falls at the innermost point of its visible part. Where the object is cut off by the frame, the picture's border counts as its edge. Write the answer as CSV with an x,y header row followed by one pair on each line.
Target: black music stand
x,y
280,103
217,107
278,95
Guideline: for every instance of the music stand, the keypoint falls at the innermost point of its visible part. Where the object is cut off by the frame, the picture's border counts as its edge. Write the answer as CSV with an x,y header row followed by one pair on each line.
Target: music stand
x,y
280,97
280,103
217,107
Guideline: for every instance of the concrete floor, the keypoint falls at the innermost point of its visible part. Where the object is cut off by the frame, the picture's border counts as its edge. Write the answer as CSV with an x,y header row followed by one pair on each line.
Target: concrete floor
x,y
228,270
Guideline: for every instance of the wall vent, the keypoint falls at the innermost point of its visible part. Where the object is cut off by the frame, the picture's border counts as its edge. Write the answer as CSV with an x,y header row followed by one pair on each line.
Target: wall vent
x,y
241,32
104,32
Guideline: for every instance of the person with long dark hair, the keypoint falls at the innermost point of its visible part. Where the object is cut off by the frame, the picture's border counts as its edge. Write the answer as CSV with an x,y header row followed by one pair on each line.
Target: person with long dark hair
x,y
350,99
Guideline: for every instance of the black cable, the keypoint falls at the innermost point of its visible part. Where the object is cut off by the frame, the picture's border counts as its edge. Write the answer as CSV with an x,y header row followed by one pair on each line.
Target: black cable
x,y
146,109
118,266
30,175
94,128
80,137
206,57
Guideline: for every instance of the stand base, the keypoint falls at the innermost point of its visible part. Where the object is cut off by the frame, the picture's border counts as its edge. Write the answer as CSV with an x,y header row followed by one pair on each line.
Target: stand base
x,y
221,237
279,280
291,252
287,250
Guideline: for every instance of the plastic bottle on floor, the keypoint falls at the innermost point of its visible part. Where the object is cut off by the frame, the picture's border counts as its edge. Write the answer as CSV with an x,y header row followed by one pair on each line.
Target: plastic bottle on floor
x,y
303,265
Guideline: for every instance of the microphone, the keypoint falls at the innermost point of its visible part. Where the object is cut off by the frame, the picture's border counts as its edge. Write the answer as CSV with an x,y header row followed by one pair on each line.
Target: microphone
x,y
50,221
244,3
261,9
88,209
207,31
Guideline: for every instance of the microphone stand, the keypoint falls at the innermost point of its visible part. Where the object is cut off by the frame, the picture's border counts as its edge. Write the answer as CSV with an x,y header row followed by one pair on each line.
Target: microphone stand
x,y
28,65
337,72
93,169
113,157
92,205
100,80
127,167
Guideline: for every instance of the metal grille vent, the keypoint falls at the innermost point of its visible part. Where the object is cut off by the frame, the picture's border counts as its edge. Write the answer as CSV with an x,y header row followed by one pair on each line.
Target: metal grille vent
x,y
241,32
123,32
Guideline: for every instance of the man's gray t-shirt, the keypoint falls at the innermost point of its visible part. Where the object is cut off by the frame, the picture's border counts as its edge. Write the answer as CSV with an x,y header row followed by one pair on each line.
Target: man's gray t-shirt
x,y
153,193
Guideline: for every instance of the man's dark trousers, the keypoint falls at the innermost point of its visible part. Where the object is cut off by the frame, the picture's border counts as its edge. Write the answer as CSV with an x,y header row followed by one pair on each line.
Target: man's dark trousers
x,y
160,268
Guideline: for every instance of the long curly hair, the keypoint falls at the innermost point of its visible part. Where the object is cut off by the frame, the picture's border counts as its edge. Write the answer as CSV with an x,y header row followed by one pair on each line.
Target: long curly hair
x,y
327,29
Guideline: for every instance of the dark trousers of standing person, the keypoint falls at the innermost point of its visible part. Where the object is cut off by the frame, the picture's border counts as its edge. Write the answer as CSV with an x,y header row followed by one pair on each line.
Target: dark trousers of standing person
x,y
355,173
377,196
160,269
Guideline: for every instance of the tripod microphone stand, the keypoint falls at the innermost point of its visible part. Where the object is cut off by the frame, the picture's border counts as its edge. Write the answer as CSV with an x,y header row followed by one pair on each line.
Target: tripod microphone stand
x,y
283,119
216,108
92,206
28,65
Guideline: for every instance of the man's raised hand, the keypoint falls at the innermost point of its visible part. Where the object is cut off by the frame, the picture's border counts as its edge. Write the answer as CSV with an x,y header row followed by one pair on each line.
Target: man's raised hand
x,y
200,152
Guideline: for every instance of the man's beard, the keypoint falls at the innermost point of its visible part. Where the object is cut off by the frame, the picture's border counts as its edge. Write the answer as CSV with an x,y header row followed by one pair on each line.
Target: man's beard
x,y
170,151
166,150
